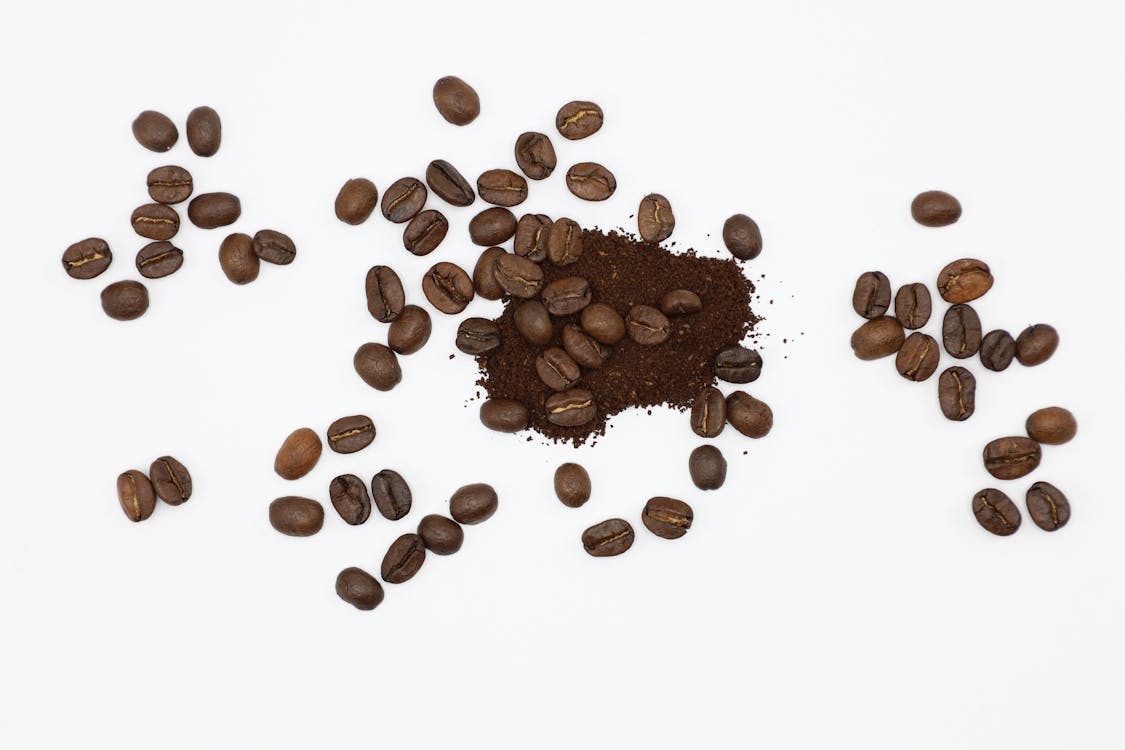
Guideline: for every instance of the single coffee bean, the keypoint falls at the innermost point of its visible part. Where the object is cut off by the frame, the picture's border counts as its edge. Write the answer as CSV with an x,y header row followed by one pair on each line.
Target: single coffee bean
x,y
567,296
350,499
356,201
877,338
159,259
403,559
125,300
171,480
492,226
1012,457
737,364
296,516
1053,425
532,232
359,588
473,504
608,538
169,184
274,247
964,280
502,187
298,454
872,295
425,232
564,242
351,434
557,369
578,119
534,322
504,415
410,331
478,336
1047,506
572,485
484,280
518,276
391,494
585,350
935,208
997,350
155,221
957,393
213,210
535,155
667,517
87,258
655,220
913,306
237,258
647,325
456,101
918,358
385,295
742,237
707,467
448,288
708,413
571,408
590,181
403,199
449,184
961,331
748,415
155,131
441,535
680,302
378,366
603,323
136,495
996,512
204,131
1036,344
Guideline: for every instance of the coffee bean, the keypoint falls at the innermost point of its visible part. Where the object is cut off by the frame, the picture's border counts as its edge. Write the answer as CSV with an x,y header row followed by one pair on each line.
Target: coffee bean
x,y
502,187
410,331
391,494
87,258
1053,425
603,323
918,358
204,131
935,208
504,415
585,350
564,242
484,280
448,288
742,237
403,559
567,296
378,366
737,364
350,499
961,331
748,415
351,434
159,259
1012,457
1047,506
557,369
274,247
359,588
535,155
707,467
578,119
237,258
957,393
877,338
403,199
476,336
964,280
647,325
534,322
169,184
608,538
571,408
572,485
872,295
532,232
136,495
213,210
425,232
708,413
171,480
298,454
913,306
155,221
473,504
667,517
125,300
492,226
296,516
1036,344
997,350
385,295
655,220
591,181
680,302
441,535
449,184
996,512
155,131
456,101
356,201
518,276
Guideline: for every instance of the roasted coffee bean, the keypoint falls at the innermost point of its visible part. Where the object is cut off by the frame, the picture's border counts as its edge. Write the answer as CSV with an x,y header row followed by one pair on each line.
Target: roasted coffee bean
x,y
708,413
492,226
585,350
171,480
484,280
535,155
403,559
169,184
410,331
456,101
957,393
385,295
449,184
274,247
647,325
877,338
1036,344
742,237
578,119
1047,506
872,295
935,208
350,499
567,296
125,300
378,366
964,280
204,131
571,408
996,512
425,232
918,358
737,364
356,201
667,517
504,415
532,232
564,242
748,415
448,288
997,350
502,187
1012,457
237,258
87,258
913,306
391,494
473,504
608,538
359,588
518,276
213,210
557,369
572,485
603,323
155,131
403,199
680,302
1053,425
155,221
534,322
296,516
590,181
707,467
477,336
159,259
655,220
136,495
298,454
961,331
441,535
351,434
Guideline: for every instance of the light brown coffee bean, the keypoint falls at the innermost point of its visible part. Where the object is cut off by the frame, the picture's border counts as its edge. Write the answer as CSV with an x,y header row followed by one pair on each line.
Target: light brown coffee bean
x,y
298,454
708,413
448,288
748,415
935,208
535,155
964,280
237,258
403,200
590,181
1052,425
603,323
502,187
878,337
518,276
296,516
579,119
655,220
136,495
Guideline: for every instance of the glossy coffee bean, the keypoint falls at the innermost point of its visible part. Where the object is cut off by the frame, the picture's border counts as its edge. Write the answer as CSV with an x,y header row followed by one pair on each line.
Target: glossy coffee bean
x,y
359,588
274,247
441,535
403,559
997,350
708,413
579,119
296,516
957,393
590,181
171,480
647,325
996,512
532,232
350,434
456,101
964,280
1036,344
877,338
742,237
1012,457
603,323
680,302
504,415
707,467
476,336
534,322
535,155
377,366
502,187
403,200
425,232
918,358
204,131
1053,425
136,495
557,369
350,499
572,408
391,494
572,485
748,415
667,517
1047,506
213,210
448,288
298,454
155,221
913,306
356,201
155,131
169,184
567,296
518,276
608,538
237,258
385,295
935,208
492,226
159,259
87,258
655,220
564,242
872,295
410,331
125,300
473,504
449,184
484,280
961,331
585,350
737,364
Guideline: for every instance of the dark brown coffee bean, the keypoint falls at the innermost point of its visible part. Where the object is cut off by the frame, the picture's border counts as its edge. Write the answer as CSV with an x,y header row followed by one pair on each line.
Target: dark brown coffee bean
x,y
535,155
473,504
87,258
359,588
155,221
961,331
667,517
1053,425
350,499
351,434
935,208
564,242
964,280
877,338
957,393
913,306
403,199
237,258
996,512
579,119
608,538
603,323
742,237
997,350
557,369
448,288
737,364
748,415
518,276
296,516
655,220
169,184
918,358
155,131
378,366
504,415
478,336
171,480
204,131
585,350
708,413
213,210
136,495
385,295
492,226
1012,457
449,184
680,302
502,187
159,259
532,232
534,322
567,296
571,408
872,295
456,101
298,454
572,485
391,494
647,325
403,559
1036,344
410,331
274,247
125,300
356,201
484,278
590,181
425,232
707,467
1047,506
441,535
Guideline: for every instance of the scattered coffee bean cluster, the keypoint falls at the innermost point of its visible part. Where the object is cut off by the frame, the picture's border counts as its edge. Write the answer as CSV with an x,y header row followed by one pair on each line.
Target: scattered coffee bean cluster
x,y
167,479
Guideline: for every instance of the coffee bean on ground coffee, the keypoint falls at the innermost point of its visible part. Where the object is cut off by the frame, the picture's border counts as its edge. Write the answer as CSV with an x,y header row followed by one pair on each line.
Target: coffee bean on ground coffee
x,y
171,480
155,131
237,258
125,300
608,538
159,259
359,588
996,512
204,131
935,208
296,516
1047,506
473,504
680,302
170,184
572,485
957,393
403,559
1012,457
441,535
532,234
456,101
1053,425
602,323
391,494
351,434
564,242
298,454
356,200
707,467
583,348
1036,344
410,331
87,258
667,517
136,495
477,336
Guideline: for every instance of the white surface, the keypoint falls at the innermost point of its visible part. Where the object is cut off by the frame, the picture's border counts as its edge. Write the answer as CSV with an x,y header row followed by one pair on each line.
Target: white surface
x,y
836,593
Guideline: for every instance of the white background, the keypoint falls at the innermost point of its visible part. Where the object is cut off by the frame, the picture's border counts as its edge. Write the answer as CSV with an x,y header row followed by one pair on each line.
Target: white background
x,y
837,592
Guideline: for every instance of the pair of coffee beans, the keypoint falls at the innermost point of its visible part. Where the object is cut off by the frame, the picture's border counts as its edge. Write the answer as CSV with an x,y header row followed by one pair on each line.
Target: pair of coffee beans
x,y
302,448
167,480
1017,456
711,412
1048,507
666,517
156,131
240,255
390,495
